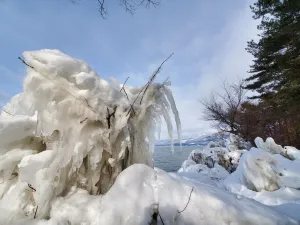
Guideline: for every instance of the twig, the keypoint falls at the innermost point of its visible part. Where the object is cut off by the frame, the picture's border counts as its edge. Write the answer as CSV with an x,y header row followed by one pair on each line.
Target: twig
x,y
145,87
123,88
33,189
25,62
166,80
102,9
154,75
35,211
187,202
161,219
13,177
83,120
109,115
6,112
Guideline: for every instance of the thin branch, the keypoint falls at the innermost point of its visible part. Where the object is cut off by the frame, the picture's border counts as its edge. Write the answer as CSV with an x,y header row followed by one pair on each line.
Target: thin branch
x,y
166,80
137,98
154,75
83,120
161,219
33,189
15,175
22,60
6,112
102,10
123,88
109,115
131,6
35,211
187,202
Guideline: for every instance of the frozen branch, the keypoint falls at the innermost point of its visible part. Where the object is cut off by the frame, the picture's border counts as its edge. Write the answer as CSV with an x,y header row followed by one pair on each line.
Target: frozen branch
x,y
154,76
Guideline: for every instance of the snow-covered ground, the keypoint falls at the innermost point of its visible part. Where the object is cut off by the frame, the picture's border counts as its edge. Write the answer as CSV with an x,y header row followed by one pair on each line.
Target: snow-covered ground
x,y
268,174
75,150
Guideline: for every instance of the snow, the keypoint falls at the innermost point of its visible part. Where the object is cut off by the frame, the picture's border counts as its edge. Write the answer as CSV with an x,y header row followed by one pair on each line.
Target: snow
x,y
134,201
268,174
75,150
292,152
265,177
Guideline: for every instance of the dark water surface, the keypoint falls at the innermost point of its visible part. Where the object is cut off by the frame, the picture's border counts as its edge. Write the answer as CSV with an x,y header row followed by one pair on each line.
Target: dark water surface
x,y
171,162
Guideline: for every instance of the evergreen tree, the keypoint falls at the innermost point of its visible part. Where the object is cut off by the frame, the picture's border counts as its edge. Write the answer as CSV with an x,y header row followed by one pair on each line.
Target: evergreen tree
x,y
276,68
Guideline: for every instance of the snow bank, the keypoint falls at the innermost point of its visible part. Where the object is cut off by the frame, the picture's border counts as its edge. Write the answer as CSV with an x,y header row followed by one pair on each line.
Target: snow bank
x,y
268,174
157,197
71,128
268,178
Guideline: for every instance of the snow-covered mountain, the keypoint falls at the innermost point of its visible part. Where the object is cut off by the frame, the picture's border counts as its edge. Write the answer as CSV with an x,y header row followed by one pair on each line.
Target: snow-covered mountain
x,y
203,139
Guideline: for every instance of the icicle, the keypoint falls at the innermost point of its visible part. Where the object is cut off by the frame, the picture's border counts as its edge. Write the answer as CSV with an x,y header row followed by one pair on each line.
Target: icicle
x,y
170,97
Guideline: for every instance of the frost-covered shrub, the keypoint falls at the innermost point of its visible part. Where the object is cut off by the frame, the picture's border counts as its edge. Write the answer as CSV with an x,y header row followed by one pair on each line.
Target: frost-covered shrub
x,y
71,128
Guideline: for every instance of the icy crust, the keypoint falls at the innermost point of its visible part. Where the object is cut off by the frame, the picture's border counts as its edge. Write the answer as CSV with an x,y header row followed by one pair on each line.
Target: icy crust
x,y
71,128
133,201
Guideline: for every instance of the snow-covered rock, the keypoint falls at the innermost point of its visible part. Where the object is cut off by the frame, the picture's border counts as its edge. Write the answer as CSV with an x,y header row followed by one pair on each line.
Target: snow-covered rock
x,y
214,153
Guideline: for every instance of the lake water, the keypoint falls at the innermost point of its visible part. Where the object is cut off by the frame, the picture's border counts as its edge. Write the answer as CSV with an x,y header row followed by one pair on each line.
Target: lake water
x,y
171,162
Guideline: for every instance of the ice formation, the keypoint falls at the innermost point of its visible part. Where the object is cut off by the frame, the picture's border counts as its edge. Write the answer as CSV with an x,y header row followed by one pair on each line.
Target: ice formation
x,y
71,128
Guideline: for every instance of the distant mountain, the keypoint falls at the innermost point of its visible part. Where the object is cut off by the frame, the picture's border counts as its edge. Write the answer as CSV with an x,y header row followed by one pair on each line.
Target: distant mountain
x,y
200,140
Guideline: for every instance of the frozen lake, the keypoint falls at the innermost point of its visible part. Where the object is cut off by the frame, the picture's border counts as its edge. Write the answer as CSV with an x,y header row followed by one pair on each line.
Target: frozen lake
x,y
169,162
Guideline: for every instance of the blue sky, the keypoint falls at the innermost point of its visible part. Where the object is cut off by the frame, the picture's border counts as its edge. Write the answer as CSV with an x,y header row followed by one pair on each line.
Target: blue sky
x,y
208,38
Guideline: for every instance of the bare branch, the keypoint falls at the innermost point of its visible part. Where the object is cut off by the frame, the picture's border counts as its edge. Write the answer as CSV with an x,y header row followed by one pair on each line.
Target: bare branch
x,y
132,5
123,88
161,219
102,10
83,120
33,189
35,211
23,61
6,112
154,76
224,107
187,202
